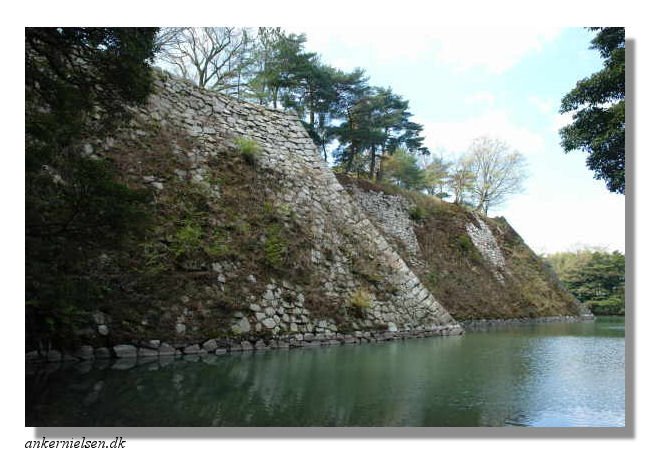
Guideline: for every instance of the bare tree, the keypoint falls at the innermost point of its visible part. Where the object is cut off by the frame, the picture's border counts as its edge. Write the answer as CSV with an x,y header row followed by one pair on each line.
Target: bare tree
x,y
461,179
213,57
499,172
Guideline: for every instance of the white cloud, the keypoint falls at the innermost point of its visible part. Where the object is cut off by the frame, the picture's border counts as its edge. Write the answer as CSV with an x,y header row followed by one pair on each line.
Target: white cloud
x,y
493,49
483,97
544,105
561,120
377,43
557,225
456,136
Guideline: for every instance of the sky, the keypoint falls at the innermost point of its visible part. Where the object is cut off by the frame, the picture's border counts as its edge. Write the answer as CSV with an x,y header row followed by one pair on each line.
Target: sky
x,y
463,83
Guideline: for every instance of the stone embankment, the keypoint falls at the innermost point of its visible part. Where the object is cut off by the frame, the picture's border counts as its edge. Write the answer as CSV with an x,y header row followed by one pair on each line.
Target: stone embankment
x,y
349,255
363,253
211,347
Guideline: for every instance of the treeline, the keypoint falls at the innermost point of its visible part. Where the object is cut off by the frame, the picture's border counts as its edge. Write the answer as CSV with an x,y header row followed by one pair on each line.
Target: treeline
x,y
361,123
482,178
595,277
368,129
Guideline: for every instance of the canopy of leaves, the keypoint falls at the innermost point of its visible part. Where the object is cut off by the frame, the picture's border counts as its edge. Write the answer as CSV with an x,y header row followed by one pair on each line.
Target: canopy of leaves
x,y
594,277
436,176
376,122
78,82
271,67
402,169
598,106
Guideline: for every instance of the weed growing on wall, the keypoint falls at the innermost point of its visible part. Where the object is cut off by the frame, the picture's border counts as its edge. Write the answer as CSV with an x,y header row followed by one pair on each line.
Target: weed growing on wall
x,y
250,150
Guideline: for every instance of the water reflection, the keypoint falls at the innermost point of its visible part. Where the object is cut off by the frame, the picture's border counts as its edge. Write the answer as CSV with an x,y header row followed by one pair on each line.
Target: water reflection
x,y
545,375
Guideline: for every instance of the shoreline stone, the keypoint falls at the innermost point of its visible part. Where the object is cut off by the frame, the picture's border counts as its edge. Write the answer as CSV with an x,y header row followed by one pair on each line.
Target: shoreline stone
x,y
125,351
222,347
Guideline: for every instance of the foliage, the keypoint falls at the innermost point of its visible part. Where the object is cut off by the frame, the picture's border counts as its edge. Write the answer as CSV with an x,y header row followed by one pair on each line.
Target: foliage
x,y
465,244
593,276
275,247
614,306
598,107
78,82
187,239
219,245
375,124
417,213
461,180
249,149
360,300
431,279
437,176
402,169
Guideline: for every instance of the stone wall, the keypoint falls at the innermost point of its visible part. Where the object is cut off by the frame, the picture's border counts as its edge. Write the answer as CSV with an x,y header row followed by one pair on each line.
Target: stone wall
x,y
337,225
391,214
488,246
479,268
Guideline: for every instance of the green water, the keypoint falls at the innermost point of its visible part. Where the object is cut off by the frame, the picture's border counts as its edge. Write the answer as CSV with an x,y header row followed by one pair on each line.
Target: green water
x,y
550,375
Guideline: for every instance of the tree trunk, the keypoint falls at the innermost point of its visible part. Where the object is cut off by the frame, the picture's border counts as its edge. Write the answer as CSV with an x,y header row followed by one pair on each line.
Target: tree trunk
x,y
380,172
372,162
348,165
312,120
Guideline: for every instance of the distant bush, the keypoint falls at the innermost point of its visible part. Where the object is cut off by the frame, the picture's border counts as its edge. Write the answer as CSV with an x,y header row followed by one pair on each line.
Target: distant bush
x,y
249,149
594,277
613,306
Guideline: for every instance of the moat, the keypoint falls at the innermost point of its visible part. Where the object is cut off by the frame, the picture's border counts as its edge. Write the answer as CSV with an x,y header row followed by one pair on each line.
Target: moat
x,y
541,375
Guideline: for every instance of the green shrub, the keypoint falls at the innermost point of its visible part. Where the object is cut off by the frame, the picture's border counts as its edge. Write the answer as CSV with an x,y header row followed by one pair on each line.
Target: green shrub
x,y
249,149
285,211
187,239
417,213
613,306
431,279
275,247
360,300
464,243
242,227
219,245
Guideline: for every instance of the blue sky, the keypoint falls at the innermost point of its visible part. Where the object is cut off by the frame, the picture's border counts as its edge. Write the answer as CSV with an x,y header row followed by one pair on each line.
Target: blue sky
x,y
506,82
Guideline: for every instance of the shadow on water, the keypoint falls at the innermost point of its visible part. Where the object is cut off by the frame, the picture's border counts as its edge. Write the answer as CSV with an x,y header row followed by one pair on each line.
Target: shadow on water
x,y
538,375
